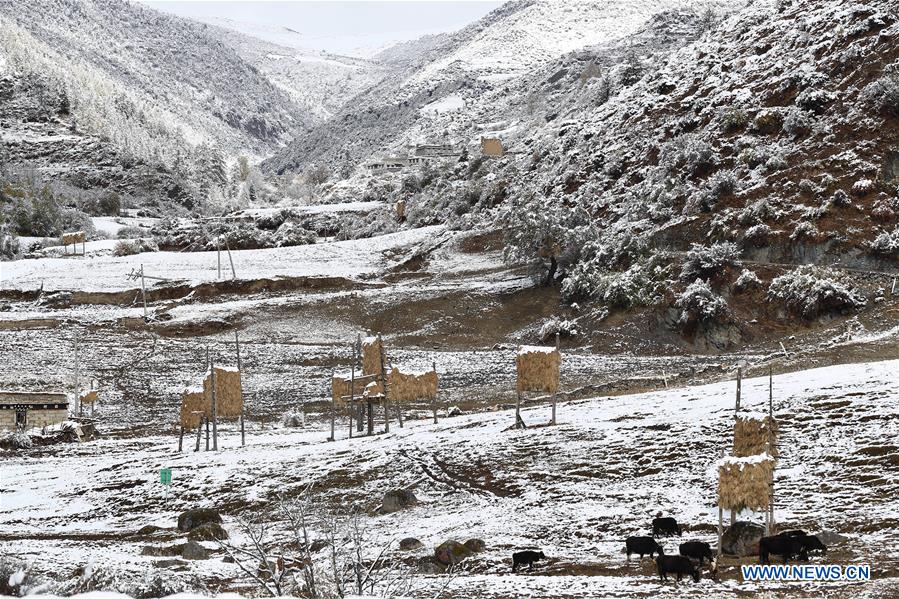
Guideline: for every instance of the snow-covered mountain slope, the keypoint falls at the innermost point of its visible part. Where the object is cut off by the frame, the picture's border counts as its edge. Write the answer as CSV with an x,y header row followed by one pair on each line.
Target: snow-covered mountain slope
x,y
150,82
320,83
486,57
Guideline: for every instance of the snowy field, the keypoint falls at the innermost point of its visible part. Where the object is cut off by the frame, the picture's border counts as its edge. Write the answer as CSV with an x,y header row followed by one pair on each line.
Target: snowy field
x,y
575,490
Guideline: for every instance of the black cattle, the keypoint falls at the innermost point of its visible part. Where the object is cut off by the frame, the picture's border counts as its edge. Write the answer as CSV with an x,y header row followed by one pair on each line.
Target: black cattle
x,y
665,527
812,543
782,545
526,558
792,533
697,550
676,564
642,546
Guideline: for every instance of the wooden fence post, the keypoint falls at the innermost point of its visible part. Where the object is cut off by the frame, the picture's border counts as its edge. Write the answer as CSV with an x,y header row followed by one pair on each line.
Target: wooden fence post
x,y
553,419
215,414
352,403
434,399
243,438
333,406
384,388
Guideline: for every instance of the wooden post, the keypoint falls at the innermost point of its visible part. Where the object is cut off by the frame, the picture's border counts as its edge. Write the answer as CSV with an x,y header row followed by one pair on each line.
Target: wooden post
x,y
434,399
770,394
218,254
181,439
333,406
720,527
552,420
384,388
215,412
352,404
233,272
519,422
199,434
243,438
143,289
739,382
371,417
206,422
77,373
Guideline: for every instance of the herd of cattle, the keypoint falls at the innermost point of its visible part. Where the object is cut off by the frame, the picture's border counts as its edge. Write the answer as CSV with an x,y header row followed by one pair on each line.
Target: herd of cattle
x,y
788,544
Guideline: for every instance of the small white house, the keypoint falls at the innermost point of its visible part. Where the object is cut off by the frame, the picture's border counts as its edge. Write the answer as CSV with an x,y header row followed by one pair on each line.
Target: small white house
x,y
25,409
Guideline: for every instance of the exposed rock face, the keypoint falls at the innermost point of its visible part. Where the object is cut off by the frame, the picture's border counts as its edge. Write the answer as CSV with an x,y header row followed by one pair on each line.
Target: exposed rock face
x,y
475,545
211,531
193,550
742,539
397,500
194,518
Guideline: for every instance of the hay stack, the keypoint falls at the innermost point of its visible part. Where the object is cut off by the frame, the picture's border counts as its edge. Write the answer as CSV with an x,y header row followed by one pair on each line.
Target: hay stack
x,y
88,396
341,386
74,237
373,389
372,351
410,386
755,434
745,483
193,407
538,368
228,392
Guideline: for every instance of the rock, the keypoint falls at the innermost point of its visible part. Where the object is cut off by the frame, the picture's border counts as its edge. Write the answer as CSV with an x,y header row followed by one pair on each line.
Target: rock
x,y
170,551
742,539
211,531
396,500
228,559
454,411
317,545
149,529
191,519
829,537
450,553
475,545
410,544
169,563
193,550
429,565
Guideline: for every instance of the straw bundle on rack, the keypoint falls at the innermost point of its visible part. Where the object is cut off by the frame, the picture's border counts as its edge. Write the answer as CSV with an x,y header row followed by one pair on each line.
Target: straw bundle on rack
x,y
373,389
755,434
538,368
228,393
74,237
745,483
88,396
409,386
372,352
341,385
193,407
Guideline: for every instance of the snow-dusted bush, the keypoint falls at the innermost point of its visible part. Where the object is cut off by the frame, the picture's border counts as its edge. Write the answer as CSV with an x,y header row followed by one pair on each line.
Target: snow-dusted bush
x,y
757,212
775,163
883,94
291,233
293,419
149,584
862,187
841,198
811,291
131,232
733,119
564,328
767,121
639,285
15,440
722,184
706,262
687,152
804,230
798,123
746,281
887,244
9,243
814,100
700,305
16,578
757,235
125,247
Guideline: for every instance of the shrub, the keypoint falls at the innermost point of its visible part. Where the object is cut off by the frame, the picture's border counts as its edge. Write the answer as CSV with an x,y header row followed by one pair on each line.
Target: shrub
x,y
292,419
733,119
811,291
722,184
886,244
756,212
797,123
637,286
841,198
565,328
814,100
125,248
804,230
9,243
757,235
131,232
705,262
862,187
15,440
883,94
686,152
776,163
291,233
699,305
767,121
746,281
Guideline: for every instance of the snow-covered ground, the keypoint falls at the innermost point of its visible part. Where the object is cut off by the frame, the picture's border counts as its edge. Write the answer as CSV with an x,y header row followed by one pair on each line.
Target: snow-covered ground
x,y
350,259
575,490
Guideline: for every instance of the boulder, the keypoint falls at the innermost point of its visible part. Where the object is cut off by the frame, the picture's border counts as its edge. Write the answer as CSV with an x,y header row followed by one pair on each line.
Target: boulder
x,y
191,519
149,529
450,553
475,545
410,544
742,539
396,500
429,565
193,550
170,551
454,411
211,531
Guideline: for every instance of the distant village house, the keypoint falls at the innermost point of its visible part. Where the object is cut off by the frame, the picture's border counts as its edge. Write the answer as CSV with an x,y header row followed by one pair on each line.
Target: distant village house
x,y
24,410
491,146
